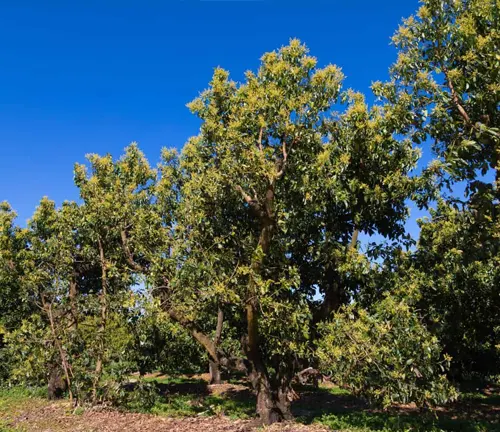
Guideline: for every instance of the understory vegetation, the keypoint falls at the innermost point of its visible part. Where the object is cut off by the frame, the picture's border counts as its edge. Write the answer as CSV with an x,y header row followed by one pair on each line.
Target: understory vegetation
x,y
272,251
183,396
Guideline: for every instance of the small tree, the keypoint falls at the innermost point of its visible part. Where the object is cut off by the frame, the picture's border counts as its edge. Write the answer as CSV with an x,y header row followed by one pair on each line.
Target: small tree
x,y
48,281
12,310
115,194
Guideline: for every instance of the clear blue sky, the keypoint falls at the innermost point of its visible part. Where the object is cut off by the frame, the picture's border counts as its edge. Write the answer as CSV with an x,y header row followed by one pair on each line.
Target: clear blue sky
x,y
90,76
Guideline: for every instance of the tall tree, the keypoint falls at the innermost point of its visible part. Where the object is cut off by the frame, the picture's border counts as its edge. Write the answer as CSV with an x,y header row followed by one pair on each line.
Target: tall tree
x,y
445,86
275,190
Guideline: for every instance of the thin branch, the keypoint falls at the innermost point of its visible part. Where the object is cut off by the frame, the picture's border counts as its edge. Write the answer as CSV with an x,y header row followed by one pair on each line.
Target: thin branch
x,y
284,160
260,139
252,202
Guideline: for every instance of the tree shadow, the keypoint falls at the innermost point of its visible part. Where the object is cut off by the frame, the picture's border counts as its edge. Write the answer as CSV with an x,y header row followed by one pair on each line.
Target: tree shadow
x,y
185,396
330,406
197,387
340,410
315,402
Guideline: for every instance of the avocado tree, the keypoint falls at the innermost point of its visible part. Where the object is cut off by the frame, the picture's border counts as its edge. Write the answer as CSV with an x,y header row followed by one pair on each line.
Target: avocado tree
x,y
13,307
114,194
445,85
48,284
274,192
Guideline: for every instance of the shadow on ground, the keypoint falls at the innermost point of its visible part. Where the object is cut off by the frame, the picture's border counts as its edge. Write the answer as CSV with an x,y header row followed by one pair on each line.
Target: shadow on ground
x,y
340,410
330,406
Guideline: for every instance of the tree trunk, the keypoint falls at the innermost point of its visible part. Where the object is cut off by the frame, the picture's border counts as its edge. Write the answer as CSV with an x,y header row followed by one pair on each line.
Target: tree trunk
x,y
73,292
55,387
214,369
214,364
272,403
273,400
102,327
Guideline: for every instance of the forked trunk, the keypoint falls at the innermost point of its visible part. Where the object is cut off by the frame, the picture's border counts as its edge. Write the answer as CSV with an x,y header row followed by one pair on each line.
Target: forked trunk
x,y
273,402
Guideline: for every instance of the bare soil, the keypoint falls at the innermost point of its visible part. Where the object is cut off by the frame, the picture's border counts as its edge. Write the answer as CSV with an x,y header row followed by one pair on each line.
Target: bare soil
x,y
44,416
40,415
57,417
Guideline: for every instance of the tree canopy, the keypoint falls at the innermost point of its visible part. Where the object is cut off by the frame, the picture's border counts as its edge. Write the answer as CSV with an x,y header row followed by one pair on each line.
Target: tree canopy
x,y
248,248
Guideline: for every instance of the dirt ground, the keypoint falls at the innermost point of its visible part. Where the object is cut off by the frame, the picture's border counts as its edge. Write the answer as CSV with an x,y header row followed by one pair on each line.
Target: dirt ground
x,y
56,417
40,415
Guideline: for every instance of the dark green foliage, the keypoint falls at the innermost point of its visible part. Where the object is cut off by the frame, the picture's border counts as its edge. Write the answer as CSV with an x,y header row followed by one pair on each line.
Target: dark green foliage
x,y
162,345
458,256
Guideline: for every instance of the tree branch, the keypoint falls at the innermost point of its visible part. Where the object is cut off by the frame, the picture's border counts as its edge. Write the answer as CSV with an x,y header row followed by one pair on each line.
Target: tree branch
x,y
201,337
260,139
454,95
284,160
354,239
128,255
455,98
252,202
218,330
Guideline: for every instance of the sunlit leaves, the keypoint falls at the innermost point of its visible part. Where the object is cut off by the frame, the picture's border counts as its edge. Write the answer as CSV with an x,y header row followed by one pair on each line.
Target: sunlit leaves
x,y
387,355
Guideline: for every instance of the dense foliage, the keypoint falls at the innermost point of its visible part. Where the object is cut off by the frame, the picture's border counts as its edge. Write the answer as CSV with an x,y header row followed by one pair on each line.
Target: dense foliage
x,y
445,83
386,354
243,253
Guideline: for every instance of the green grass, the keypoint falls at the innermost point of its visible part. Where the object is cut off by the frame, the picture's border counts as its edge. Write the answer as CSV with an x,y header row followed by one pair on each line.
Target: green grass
x,y
14,400
467,416
172,380
190,405
330,406
183,396
386,422
333,407
15,397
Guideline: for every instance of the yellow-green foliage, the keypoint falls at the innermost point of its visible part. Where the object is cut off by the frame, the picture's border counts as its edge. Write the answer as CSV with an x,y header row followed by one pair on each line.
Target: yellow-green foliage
x,y
385,354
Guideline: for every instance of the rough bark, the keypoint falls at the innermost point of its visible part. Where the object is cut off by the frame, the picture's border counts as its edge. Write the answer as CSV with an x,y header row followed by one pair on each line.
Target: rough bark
x,y
273,399
214,370
214,365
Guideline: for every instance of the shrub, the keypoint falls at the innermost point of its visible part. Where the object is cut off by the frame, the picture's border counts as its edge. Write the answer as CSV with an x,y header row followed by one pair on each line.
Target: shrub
x,y
386,355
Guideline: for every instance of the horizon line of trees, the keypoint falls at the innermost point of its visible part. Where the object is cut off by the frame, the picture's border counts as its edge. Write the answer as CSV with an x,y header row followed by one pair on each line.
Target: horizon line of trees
x,y
242,252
